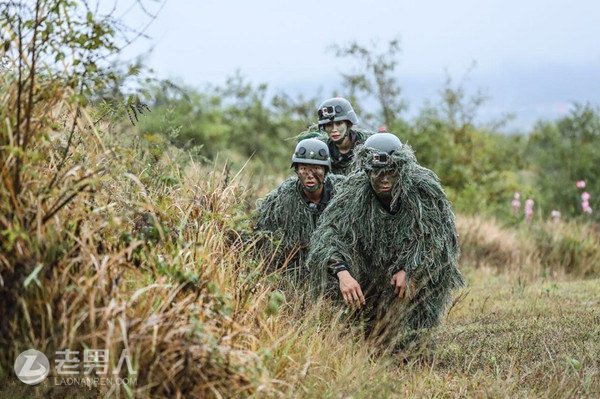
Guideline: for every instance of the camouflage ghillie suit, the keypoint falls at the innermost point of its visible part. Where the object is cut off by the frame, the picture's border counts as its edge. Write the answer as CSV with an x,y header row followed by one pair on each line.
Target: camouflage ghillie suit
x,y
418,236
287,215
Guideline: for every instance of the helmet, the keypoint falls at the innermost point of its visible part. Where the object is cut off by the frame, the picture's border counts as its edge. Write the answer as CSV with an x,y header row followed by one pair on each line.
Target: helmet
x,y
336,109
382,145
312,151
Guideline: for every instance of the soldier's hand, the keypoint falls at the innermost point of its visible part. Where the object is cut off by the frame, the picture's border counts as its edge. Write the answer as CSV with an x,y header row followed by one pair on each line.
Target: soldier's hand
x,y
399,283
350,289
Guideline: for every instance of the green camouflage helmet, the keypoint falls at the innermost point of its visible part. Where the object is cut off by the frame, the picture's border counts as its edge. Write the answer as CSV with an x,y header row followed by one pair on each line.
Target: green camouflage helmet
x,y
381,147
336,109
312,151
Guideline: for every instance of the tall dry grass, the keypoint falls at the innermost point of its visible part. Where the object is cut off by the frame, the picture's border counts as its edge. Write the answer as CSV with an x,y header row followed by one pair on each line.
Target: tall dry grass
x,y
99,252
531,250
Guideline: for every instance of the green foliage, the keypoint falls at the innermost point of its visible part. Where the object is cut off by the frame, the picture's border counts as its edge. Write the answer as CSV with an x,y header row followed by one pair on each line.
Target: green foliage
x,y
555,247
276,299
563,152
79,270
237,120
65,35
479,168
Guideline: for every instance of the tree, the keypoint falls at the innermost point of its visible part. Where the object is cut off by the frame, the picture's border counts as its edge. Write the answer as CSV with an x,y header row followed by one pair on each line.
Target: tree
x,y
237,120
375,78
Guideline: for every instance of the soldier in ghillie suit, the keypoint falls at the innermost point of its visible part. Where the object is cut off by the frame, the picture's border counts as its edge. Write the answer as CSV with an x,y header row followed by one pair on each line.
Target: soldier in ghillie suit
x,y
337,118
387,244
290,212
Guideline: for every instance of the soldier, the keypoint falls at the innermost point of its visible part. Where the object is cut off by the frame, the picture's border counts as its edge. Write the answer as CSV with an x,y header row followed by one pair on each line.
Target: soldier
x,y
337,118
387,244
291,210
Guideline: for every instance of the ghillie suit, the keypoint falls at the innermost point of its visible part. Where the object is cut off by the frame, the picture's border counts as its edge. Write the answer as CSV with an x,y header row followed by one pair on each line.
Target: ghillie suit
x,y
418,236
288,220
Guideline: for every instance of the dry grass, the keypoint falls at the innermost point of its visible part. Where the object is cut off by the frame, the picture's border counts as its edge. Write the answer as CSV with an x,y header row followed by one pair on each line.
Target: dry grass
x,y
484,243
531,251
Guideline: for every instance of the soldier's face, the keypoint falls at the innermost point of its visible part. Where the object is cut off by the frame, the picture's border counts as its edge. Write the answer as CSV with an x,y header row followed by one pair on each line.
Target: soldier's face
x,y
336,130
311,176
383,181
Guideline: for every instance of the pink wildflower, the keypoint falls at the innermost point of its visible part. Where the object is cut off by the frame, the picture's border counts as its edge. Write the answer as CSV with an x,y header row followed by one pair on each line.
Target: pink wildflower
x,y
516,202
529,209
585,196
585,202
580,183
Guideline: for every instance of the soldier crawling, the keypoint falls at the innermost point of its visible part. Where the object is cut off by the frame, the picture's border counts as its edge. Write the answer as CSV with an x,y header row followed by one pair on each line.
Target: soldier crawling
x,y
291,210
387,244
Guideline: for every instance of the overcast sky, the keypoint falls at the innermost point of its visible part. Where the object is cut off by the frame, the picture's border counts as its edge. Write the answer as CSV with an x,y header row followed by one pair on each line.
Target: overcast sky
x,y
533,57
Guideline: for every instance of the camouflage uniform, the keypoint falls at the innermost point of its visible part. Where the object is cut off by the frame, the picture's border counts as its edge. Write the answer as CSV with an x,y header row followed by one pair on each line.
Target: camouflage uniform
x,y
417,235
287,215
292,218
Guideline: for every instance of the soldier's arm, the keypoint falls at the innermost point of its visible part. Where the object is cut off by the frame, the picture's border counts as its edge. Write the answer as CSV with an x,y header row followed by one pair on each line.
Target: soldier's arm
x,y
326,264
349,287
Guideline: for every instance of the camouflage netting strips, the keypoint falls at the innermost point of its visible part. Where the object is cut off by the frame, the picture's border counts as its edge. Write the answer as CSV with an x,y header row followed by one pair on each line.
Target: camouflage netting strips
x,y
420,238
287,221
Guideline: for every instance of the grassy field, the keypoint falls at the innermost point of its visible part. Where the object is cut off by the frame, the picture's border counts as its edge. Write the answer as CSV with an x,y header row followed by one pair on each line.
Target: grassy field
x,y
502,339
506,336
113,239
